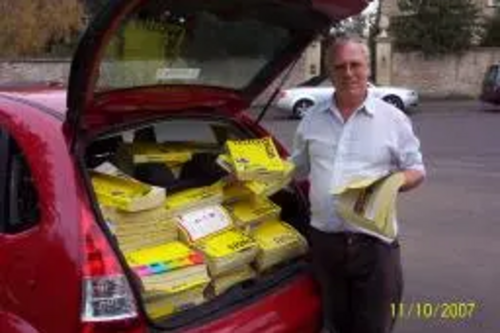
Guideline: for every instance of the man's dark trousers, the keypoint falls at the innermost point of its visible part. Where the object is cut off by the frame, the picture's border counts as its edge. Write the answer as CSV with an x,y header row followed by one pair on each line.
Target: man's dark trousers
x,y
360,277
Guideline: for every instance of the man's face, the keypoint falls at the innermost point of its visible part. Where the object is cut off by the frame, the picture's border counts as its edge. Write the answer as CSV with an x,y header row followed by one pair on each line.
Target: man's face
x,y
349,70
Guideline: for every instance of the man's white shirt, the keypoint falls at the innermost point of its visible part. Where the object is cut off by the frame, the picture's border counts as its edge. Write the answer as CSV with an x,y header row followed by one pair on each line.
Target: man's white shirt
x,y
376,140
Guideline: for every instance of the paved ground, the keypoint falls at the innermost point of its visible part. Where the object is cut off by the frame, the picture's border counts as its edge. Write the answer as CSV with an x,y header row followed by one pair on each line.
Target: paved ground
x,y
451,225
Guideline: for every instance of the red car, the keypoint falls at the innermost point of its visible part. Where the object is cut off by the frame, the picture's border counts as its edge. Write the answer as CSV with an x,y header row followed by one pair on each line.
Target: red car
x,y
167,70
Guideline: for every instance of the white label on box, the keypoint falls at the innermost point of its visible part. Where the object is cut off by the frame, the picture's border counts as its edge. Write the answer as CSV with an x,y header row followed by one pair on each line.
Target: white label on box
x,y
177,74
204,222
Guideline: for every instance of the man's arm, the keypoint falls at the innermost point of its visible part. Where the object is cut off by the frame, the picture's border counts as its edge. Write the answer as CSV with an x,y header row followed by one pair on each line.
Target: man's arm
x,y
409,156
300,154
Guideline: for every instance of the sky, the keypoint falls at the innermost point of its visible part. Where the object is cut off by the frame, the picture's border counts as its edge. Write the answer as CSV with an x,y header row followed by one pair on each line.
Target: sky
x,y
372,7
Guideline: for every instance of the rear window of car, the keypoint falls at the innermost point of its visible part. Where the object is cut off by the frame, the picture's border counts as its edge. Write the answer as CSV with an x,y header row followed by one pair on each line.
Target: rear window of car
x,y
215,43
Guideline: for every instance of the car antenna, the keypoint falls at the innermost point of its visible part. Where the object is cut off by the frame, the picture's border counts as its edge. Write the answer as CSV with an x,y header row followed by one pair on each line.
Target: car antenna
x,y
276,91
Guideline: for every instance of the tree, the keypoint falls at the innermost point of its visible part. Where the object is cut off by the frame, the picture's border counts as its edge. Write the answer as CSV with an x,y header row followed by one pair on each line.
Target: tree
x,y
364,25
436,27
30,26
356,25
94,6
492,31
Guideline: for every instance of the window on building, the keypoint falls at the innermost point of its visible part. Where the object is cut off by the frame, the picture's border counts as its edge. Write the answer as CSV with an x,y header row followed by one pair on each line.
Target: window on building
x,y
19,206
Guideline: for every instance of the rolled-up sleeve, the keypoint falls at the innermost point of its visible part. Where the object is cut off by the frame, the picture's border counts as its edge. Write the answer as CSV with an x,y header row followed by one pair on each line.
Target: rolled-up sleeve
x,y
408,149
300,154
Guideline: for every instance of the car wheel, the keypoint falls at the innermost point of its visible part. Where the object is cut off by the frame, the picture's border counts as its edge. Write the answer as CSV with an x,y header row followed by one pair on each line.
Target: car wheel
x,y
301,107
396,101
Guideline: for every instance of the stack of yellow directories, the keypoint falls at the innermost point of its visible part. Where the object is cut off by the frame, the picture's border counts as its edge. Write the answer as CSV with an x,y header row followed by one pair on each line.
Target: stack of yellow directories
x,y
248,213
227,251
161,304
235,191
173,276
254,159
223,282
268,187
263,186
203,223
142,229
278,242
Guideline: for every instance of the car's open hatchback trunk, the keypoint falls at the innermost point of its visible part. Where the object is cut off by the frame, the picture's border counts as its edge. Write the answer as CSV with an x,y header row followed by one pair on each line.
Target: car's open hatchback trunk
x,y
204,137
181,74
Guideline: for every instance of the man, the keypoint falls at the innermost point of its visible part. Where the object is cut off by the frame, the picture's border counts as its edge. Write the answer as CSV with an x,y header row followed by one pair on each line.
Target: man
x,y
355,135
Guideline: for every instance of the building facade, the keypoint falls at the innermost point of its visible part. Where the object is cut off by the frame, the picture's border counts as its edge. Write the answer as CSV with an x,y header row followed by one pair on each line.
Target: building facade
x,y
446,76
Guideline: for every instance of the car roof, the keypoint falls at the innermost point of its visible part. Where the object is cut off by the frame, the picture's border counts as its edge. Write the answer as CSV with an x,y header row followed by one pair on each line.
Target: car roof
x,y
41,96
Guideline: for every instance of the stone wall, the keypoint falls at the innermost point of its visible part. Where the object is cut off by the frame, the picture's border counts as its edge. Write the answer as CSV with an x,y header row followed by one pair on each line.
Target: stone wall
x,y
390,7
50,70
34,70
449,76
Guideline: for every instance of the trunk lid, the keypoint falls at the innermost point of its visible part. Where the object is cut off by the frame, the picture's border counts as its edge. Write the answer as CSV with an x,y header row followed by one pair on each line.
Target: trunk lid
x,y
147,56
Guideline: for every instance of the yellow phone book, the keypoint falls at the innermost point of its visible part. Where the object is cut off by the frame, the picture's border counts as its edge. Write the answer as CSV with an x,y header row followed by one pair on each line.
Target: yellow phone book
x,y
223,282
169,268
278,242
255,158
125,193
194,198
268,187
142,218
371,205
159,304
253,211
133,241
171,254
225,162
235,191
203,222
227,251
146,152
177,280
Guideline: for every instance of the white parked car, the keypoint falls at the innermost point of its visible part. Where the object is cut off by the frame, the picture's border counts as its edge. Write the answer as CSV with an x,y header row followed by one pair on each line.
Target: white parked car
x,y
300,99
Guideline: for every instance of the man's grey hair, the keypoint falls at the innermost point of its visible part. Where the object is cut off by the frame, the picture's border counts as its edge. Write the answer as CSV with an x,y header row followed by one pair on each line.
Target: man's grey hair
x,y
335,40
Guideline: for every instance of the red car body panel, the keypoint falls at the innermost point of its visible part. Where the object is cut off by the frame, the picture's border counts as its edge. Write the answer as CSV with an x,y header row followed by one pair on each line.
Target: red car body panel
x,y
288,309
39,268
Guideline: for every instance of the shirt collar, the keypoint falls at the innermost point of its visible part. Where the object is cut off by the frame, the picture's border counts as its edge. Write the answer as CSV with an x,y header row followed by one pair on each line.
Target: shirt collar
x,y
368,106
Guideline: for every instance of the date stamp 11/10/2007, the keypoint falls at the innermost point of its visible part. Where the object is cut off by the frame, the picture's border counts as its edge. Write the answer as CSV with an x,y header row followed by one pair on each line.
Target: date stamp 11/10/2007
x,y
434,310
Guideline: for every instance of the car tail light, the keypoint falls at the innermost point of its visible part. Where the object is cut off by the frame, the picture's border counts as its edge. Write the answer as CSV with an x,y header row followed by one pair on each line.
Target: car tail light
x,y
281,94
108,304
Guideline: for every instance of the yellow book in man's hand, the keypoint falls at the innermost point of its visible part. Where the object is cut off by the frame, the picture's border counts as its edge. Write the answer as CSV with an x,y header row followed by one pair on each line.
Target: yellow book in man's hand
x,y
255,158
372,208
